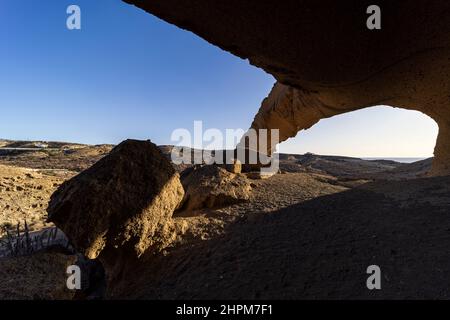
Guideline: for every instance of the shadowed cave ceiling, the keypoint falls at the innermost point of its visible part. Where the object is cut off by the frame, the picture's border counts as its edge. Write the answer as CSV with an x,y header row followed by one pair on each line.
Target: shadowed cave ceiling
x,y
325,59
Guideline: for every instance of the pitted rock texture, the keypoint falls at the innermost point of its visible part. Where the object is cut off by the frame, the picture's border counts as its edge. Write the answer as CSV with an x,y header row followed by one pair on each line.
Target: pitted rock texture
x,y
327,61
210,186
121,206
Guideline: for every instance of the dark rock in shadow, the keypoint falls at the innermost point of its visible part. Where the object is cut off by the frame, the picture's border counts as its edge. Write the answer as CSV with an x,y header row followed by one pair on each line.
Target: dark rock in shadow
x,y
120,207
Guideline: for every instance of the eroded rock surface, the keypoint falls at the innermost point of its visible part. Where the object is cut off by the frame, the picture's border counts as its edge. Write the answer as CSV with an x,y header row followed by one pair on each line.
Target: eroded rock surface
x,y
121,206
234,167
210,186
327,61
291,110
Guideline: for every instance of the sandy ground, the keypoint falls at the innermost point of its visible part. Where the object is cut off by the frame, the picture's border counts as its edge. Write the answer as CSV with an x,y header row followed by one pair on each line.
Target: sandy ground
x,y
40,276
28,178
302,234
267,195
314,248
24,195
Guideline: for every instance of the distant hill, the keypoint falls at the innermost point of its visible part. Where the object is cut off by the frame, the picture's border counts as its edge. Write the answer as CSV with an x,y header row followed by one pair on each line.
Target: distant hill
x,y
77,157
39,144
51,154
354,168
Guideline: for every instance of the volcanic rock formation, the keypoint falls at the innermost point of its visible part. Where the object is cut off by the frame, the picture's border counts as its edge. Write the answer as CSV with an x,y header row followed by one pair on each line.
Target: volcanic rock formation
x,y
121,206
210,186
327,61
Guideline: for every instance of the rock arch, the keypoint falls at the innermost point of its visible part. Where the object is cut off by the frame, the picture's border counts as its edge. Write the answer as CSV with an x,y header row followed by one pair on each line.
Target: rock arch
x,y
325,59
291,110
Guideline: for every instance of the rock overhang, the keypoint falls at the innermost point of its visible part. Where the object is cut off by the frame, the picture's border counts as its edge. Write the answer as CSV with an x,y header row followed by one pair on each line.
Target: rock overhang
x,y
326,60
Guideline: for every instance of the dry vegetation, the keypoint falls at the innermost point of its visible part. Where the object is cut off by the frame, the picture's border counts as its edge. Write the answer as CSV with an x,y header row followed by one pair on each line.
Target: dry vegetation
x,y
29,177
24,194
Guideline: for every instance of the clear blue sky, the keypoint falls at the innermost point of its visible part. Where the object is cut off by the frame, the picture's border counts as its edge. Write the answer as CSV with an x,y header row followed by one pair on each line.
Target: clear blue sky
x,y
127,74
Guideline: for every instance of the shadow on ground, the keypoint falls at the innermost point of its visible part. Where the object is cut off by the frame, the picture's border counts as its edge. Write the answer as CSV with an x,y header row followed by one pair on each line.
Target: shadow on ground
x,y
318,249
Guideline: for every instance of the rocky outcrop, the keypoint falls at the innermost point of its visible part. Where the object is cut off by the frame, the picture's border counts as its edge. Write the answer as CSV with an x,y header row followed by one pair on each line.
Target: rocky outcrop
x,y
234,166
120,207
291,110
326,60
210,186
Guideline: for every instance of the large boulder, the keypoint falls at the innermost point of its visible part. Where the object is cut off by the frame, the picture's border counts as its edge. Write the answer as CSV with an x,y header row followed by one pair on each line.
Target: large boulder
x,y
118,208
210,186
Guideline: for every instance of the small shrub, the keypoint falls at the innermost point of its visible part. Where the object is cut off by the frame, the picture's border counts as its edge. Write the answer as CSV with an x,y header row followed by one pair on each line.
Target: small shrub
x,y
21,242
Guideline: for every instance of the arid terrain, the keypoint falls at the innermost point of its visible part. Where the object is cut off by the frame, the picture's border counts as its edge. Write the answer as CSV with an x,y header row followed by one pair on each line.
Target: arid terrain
x,y
307,232
30,173
132,224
